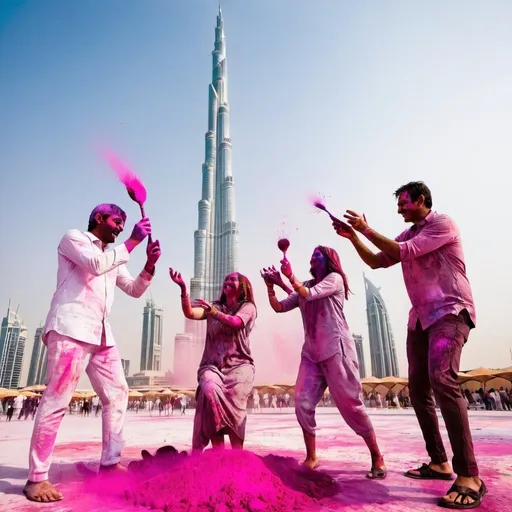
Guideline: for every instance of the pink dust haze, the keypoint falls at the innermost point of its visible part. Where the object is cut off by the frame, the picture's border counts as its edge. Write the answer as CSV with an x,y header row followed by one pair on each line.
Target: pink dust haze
x,y
130,180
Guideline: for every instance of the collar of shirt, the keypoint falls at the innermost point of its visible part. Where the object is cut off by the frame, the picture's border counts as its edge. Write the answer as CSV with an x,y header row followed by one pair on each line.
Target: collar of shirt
x,y
95,240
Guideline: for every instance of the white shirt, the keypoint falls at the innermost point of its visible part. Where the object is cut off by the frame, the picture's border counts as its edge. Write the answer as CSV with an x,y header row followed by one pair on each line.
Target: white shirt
x,y
86,278
18,402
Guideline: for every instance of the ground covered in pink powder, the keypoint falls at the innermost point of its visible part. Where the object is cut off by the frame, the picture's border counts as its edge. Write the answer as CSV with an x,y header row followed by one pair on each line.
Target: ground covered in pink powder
x,y
343,458
237,481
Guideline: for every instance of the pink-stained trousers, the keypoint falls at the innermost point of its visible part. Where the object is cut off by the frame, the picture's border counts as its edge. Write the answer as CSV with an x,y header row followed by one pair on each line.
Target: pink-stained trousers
x,y
66,359
342,376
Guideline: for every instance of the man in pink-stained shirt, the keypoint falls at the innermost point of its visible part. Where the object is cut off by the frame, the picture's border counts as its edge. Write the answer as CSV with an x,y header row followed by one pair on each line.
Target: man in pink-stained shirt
x,y
78,335
441,317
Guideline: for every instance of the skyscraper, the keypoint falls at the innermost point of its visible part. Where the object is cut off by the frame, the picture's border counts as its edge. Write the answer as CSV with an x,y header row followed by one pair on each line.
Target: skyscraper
x,y
125,363
382,343
151,349
37,371
216,238
358,340
12,346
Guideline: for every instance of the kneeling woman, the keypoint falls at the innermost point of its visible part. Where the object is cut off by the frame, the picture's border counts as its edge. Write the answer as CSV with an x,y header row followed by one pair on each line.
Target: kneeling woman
x,y
226,371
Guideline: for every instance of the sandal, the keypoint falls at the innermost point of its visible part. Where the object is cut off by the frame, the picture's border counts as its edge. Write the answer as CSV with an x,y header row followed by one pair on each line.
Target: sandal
x,y
377,474
463,492
427,473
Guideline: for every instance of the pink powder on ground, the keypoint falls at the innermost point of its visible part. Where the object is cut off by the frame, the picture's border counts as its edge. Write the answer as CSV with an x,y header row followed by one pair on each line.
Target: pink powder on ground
x,y
231,480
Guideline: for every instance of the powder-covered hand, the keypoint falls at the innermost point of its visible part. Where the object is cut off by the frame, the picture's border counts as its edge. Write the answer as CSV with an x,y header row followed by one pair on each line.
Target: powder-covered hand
x,y
358,222
286,268
141,230
200,303
176,277
343,229
272,276
153,252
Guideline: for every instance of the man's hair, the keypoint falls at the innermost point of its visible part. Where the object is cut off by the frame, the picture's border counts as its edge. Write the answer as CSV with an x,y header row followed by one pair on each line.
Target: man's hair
x,y
106,210
415,189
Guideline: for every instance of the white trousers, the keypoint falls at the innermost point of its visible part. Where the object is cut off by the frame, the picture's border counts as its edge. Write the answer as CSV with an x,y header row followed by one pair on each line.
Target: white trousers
x,y
66,360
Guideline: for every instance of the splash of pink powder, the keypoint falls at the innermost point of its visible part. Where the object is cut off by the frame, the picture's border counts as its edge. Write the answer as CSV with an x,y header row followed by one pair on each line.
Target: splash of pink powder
x,y
130,180
225,480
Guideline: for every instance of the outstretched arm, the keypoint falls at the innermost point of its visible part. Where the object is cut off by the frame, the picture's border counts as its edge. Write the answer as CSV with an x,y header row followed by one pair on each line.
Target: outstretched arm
x,y
374,261
186,307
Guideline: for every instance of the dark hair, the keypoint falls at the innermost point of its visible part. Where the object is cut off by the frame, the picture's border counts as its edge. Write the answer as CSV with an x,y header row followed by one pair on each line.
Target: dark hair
x,y
415,189
334,265
106,210
246,292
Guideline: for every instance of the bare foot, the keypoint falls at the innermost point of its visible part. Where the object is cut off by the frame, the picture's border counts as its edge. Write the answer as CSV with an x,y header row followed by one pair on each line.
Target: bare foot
x,y
113,469
473,482
42,492
311,463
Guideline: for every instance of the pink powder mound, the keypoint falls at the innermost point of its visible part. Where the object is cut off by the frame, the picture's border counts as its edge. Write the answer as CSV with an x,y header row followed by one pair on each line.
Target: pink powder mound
x,y
231,480
130,180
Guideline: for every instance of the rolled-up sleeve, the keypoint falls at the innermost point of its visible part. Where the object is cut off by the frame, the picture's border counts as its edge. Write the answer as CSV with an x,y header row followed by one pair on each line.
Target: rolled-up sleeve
x,y
438,232
331,284
291,302
386,261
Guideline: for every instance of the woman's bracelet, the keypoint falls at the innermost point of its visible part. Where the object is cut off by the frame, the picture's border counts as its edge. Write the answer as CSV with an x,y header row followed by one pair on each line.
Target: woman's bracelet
x,y
185,297
213,311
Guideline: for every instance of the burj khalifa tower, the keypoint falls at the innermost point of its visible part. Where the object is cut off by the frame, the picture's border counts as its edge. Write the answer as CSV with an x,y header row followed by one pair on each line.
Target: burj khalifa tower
x,y
216,237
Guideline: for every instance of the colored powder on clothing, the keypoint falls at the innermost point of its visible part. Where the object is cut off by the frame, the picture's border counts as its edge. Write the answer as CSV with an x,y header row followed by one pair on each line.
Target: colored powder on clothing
x,y
232,480
130,180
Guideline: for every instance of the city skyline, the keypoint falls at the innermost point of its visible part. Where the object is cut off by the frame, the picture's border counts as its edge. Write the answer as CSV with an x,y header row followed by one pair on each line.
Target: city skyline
x,y
337,113
383,358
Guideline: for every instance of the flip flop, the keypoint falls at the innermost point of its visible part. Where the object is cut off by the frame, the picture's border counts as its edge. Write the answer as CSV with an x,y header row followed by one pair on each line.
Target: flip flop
x,y
427,473
463,491
376,474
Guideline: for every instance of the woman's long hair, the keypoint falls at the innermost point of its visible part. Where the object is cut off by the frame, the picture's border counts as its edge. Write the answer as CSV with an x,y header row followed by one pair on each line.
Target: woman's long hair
x,y
334,265
246,292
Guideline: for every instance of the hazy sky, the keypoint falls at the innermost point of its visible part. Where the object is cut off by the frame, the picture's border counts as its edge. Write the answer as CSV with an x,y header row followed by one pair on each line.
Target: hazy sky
x,y
345,99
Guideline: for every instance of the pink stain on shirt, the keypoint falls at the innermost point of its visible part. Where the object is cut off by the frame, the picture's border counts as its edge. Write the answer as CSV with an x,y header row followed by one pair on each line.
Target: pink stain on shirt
x,y
434,270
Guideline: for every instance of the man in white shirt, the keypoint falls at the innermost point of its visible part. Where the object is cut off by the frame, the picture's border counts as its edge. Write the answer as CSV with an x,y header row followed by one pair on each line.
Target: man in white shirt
x,y
78,335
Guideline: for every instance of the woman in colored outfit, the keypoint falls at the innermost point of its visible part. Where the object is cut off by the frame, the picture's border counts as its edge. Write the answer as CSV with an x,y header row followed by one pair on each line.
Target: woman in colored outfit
x,y
226,372
329,356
